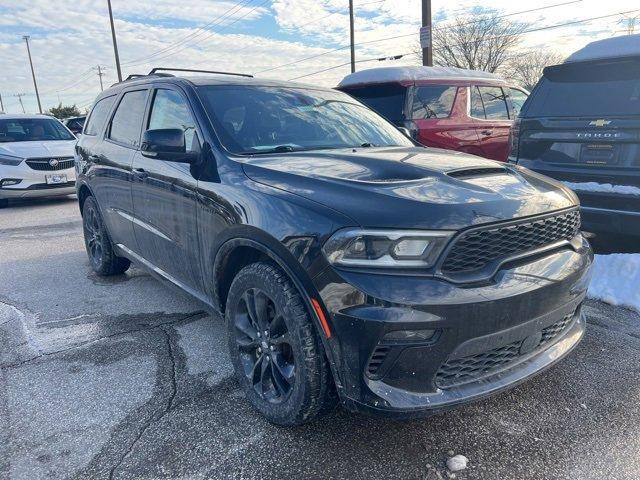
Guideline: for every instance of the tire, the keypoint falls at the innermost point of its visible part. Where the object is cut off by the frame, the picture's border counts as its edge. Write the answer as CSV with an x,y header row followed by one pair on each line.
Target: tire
x,y
4,202
102,258
275,349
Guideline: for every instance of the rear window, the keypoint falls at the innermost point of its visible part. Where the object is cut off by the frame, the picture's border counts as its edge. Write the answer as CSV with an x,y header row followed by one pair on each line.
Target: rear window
x,y
432,101
387,100
587,90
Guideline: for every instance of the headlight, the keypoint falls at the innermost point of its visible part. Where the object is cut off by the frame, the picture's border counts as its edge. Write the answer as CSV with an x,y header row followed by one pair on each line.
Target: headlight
x,y
9,160
354,247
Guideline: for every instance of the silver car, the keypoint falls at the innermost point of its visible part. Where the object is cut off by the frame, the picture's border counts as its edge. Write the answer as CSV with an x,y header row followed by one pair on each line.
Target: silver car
x,y
36,157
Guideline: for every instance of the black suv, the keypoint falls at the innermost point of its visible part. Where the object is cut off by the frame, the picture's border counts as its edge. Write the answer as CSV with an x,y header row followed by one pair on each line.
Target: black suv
x,y
581,125
348,262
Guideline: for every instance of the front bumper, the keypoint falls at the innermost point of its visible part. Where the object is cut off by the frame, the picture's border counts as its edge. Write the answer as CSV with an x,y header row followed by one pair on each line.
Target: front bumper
x,y
33,183
485,338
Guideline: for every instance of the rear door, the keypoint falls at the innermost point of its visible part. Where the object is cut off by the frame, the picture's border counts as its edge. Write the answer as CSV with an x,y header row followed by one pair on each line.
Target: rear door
x,y
164,196
490,110
582,125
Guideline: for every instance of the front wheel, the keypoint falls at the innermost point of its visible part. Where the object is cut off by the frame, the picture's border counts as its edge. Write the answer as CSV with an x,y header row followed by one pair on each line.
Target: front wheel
x,y
102,258
276,352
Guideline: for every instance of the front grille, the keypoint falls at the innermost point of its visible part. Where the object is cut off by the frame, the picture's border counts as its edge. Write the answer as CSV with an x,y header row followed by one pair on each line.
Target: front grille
x,y
475,249
45,163
473,367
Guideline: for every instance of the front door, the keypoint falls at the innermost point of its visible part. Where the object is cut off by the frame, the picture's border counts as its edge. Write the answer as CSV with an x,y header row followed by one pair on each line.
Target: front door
x,y
490,111
164,197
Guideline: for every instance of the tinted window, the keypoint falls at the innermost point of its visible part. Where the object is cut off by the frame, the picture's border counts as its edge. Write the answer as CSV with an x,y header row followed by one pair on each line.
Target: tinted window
x,y
32,129
433,101
252,120
127,121
477,108
98,116
575,90
495,103
387,100
517,99
170,110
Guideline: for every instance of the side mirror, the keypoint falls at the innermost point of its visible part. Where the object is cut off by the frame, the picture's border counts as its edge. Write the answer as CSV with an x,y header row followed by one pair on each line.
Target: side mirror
x,y
166,144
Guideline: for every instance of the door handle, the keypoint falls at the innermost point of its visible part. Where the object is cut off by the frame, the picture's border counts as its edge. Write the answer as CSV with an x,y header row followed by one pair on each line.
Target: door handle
x,y
140,173
486,133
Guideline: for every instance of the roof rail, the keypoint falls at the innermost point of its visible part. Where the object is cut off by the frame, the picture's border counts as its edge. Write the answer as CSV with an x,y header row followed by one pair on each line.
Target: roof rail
x,y
153,71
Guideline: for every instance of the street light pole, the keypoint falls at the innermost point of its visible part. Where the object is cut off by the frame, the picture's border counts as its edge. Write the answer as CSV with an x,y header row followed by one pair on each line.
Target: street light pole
x,y
100,74
353,45
115,43
427,53
33,74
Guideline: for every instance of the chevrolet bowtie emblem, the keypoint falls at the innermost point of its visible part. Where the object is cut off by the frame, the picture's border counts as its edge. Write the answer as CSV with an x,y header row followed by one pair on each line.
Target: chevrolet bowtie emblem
x,y
600,122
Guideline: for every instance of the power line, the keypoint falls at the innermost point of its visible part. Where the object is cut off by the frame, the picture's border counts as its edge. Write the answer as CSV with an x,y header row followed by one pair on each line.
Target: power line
x,y
185,40
547,27
379,59
343,47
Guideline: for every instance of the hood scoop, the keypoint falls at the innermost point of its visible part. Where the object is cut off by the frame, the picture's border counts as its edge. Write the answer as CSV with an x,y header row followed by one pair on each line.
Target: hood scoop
x,y
477,172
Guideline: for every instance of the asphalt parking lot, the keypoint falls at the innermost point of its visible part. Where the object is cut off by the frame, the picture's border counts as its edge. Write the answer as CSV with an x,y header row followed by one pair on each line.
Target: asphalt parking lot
x,y
125,378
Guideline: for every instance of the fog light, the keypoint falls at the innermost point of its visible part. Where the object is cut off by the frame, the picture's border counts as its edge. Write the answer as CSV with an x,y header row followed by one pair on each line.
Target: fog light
x,y
9,181
409,336
410,247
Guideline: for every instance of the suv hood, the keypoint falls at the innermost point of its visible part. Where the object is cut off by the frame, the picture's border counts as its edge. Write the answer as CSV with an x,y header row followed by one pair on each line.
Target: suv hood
x,y
398,187
38,149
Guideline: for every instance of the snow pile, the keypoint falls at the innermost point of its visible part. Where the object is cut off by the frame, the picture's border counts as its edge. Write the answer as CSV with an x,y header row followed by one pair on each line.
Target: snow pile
x,y
616,280
603,187
411,73
457,463
622,46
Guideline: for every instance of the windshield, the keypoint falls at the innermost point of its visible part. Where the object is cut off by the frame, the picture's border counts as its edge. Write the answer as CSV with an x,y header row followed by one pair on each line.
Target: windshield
x,y
32,129
588,90
252,120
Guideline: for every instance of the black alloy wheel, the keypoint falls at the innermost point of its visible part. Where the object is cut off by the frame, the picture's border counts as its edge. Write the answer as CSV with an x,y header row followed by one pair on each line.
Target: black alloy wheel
x,y
277,353
264,345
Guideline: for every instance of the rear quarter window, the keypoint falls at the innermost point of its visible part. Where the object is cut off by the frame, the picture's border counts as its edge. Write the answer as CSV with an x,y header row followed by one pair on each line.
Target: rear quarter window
x,y
98,116
432,101
387,100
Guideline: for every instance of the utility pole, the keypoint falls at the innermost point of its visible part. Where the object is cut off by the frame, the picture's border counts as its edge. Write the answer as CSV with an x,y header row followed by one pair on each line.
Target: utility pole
x,y
115,43
353,45
100,74
33,74
20,95
427,52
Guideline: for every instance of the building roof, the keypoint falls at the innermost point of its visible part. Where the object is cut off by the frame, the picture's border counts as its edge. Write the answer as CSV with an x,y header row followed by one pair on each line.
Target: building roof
x,y
412,73
616,47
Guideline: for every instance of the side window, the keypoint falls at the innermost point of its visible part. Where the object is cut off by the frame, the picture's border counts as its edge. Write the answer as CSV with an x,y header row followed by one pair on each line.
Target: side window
x,y
517,98
477,108
432,102
127,121
170,110
495,103
98,116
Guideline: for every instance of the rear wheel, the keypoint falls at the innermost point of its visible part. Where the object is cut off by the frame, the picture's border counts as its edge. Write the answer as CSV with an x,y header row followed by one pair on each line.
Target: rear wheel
x,y
276,352
102,258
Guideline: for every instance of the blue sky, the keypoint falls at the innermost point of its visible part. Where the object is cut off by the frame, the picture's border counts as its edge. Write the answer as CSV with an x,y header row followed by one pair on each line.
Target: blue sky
x,y
248,35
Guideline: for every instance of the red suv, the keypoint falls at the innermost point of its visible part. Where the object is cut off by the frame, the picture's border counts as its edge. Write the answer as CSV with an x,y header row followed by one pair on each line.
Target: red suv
x,y
465,110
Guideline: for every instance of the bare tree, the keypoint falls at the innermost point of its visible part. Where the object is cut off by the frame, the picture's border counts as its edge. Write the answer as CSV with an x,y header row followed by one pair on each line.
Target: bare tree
x,y
526,67
485,42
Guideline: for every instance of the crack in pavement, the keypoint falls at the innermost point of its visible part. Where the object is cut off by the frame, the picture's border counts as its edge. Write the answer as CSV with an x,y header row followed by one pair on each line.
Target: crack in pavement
x,y
91,342
158,416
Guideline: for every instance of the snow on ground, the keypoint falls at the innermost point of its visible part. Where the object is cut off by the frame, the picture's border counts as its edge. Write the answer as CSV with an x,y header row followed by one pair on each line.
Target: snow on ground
x,y
603,187
616,280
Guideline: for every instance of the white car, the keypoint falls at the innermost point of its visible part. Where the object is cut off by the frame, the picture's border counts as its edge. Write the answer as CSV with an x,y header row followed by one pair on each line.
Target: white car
x,y
36,157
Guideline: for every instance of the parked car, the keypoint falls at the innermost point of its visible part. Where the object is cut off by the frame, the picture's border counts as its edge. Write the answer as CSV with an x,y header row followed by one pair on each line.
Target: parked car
x,y
75,124
36,157
581,125
347,261
464,110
